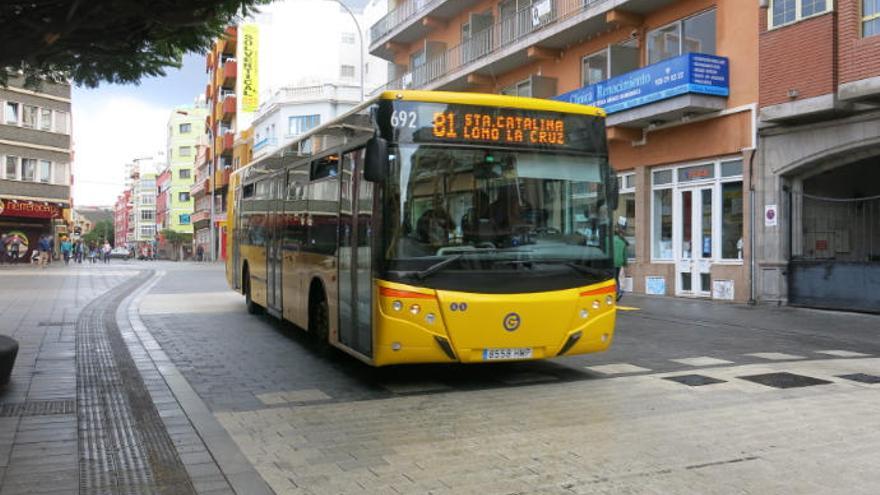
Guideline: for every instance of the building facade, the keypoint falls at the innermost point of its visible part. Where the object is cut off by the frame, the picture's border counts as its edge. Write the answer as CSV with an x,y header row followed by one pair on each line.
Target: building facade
x,y
200,192
36,155
817,176
186,125
678,81
123,225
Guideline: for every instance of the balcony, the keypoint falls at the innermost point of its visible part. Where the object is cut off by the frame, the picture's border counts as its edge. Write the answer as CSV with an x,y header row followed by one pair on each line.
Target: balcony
x,y
231,42
227,107
230,72
264,144
541,31
221,178
411,21
673,89
223,144
201,186
200,216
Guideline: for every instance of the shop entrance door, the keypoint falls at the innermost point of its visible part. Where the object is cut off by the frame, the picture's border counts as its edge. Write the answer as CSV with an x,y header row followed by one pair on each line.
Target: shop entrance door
x,y
694,242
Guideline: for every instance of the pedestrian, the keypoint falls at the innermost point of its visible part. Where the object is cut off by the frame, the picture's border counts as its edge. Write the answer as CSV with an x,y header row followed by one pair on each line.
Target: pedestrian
x,y
200,252
78,251
93,252
105,250
620,246
66,250
45,247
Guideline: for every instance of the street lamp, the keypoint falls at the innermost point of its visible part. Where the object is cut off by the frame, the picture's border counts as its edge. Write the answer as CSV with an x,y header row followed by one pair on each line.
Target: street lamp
x,y
360,39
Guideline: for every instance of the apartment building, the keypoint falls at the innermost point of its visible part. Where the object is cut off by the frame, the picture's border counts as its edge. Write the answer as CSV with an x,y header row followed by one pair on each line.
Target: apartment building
x,y
35,177
817,173
186,124
678,80
123,228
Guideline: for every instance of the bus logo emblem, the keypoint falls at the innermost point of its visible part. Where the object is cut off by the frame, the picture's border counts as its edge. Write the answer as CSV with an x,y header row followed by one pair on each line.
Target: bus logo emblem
x,y
511,322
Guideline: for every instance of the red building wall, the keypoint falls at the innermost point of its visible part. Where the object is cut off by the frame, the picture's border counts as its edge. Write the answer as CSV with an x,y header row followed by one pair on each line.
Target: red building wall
x,y
859,57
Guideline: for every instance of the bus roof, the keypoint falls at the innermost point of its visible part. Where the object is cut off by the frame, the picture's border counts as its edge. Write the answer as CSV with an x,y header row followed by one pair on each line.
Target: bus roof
x,y
491,100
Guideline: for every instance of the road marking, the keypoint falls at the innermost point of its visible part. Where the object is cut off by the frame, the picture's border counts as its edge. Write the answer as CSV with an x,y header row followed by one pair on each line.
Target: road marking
x,y
844,354
701,361
617,369
774,356
627,308
307,395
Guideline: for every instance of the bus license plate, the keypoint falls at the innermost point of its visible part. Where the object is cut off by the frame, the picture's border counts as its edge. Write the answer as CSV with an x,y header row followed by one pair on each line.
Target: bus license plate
x,y
509,353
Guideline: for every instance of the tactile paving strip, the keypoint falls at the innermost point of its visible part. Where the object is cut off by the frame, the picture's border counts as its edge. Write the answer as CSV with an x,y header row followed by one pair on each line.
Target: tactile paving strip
x,y
123,444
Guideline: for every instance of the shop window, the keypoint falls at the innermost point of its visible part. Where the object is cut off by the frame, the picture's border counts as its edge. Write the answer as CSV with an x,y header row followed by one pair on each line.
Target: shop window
x,y
693,34
662,177
661,230
732,220
870,17
784,12
625,214
28,169
698,172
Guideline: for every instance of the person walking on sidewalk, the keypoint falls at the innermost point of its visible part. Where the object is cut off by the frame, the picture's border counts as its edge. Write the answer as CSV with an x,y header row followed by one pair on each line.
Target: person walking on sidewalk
x,y
45,247
105,251
66,250
619,246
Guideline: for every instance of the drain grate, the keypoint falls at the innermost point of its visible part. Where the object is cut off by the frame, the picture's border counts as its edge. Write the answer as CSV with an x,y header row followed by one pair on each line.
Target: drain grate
x,y
38,408
861,378
784,380
693,380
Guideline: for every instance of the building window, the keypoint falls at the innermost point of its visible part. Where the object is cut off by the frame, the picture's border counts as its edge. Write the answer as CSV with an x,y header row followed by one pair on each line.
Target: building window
x,y
183,219
148,199
45,171
183,196
148,230
300,124
11,167
595,68
29,115
28,169
346,71
870,17
784,12
11,113
184,173
522,88
348,38
625,215
661,225
184,151
732,220
184,128
693,34
148,215
60,177
45,119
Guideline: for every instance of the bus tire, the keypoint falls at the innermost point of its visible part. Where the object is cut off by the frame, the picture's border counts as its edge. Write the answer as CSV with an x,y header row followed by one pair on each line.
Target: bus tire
x,y
252,307
319,322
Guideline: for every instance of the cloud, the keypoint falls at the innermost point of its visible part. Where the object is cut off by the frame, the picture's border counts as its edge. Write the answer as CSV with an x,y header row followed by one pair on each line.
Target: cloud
x,y
108,132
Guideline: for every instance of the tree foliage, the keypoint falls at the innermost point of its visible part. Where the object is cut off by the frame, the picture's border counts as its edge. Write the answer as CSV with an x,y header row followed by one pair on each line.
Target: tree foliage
x,y
103,230
176,238
118,41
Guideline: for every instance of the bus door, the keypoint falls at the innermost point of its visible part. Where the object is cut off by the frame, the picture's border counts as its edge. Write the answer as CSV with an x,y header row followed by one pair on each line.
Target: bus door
x,y
274,236
355,255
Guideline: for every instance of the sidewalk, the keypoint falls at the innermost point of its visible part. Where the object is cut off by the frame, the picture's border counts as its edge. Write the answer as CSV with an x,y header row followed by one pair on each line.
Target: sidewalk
x,y
87,410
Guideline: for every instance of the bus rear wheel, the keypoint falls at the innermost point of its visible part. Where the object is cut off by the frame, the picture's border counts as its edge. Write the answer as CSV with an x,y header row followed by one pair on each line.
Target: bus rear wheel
x,y
319,324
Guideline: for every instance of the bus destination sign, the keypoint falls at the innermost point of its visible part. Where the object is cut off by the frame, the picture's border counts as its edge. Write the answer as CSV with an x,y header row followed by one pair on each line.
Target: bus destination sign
x,y
459,124
501,129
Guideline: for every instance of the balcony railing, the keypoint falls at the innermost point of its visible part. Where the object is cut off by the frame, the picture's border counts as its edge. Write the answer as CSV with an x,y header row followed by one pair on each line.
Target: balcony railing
x,y
404,12
504,33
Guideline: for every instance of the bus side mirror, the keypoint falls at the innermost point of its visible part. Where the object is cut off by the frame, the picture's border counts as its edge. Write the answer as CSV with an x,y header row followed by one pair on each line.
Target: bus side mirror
x,y
613,190
376,161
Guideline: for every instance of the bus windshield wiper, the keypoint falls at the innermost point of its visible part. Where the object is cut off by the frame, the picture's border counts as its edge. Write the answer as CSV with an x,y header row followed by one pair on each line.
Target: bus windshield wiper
x,y
436,267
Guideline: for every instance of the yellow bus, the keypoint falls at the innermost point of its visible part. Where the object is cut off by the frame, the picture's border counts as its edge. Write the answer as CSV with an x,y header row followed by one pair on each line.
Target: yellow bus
x,y
434,227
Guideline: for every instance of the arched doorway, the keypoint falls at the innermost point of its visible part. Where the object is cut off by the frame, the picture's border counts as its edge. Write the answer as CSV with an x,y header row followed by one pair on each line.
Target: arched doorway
x,y
835,234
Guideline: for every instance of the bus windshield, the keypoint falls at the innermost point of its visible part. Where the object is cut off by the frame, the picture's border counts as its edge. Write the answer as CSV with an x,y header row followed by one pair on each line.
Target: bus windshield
x,y
453,213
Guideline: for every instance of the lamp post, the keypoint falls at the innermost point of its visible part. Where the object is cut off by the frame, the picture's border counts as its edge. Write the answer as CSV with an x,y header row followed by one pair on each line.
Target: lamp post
x,y
360,46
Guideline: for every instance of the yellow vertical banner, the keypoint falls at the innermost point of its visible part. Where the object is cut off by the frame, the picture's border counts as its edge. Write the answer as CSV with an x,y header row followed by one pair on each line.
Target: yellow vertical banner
x,y
250,41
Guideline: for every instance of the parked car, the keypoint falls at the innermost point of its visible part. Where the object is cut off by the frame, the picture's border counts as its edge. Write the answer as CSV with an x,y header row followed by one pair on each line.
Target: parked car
x,y
120,252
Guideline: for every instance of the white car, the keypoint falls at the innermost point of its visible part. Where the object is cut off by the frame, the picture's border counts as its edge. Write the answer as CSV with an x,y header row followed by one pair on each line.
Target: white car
x,y
120,252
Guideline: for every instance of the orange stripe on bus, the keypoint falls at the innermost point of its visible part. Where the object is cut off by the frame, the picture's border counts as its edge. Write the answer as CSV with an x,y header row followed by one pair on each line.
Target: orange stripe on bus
x,y
611,289
389,292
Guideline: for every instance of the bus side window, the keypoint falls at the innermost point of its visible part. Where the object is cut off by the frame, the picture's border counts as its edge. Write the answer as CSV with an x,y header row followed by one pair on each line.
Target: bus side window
x,y
325,167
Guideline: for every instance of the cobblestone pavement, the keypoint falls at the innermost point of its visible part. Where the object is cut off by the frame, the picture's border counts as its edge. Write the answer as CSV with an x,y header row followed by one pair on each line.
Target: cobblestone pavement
x,y
694,397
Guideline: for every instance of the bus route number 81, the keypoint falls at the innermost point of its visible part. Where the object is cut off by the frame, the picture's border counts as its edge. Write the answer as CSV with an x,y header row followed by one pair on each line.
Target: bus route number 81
x,y
404,119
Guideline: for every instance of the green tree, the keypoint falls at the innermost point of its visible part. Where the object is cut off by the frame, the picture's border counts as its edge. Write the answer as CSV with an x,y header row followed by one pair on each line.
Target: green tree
x,y
176,241
118,41
102,230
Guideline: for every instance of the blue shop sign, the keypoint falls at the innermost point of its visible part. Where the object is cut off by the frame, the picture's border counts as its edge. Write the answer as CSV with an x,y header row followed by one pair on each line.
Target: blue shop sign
x,y
689,73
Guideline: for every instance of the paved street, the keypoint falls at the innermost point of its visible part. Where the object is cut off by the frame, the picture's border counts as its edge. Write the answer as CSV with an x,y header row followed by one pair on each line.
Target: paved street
x,y
150,377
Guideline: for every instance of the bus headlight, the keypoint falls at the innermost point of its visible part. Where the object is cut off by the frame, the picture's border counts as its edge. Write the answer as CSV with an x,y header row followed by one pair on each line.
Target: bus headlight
x,y
397,305
596,304
414,309
585,314
609,300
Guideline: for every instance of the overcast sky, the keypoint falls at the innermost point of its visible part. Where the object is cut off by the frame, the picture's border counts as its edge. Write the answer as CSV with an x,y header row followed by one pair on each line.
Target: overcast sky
x,y
113,124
